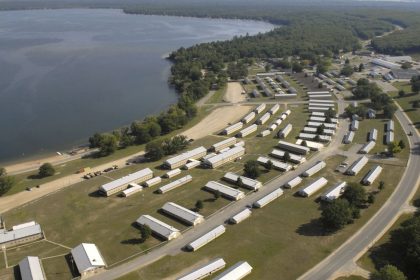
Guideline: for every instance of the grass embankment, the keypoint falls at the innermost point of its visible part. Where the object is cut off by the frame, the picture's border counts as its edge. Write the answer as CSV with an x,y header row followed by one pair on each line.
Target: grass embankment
x,y
218,96
406,102
30,179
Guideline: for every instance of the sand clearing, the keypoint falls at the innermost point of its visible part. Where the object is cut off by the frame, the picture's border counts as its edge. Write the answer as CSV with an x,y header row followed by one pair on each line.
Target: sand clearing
x,y
234,93
217,120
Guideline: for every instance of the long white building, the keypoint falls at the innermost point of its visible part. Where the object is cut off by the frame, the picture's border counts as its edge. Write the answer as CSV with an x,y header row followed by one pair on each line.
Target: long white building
x,y
183,214
152,182
175,184
244,181
87,258
182,159
298,159
313,187
264,118
225,157
206,238
248,118
205,270
158,227
223,144
367,147
354,125
315,137
348,138
247,131
122,183
285,131
20,234
372,175
335,192
233,128
238,271
293,183
314,169
284,167
390,126
355,168
239,217
389,137
133,188
274,109
314,146
373,134
31,269
293,148
224,190
260,108
268,198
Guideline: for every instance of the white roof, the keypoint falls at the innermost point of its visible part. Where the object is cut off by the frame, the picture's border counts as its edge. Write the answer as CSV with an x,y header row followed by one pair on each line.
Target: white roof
x,y
133,189
247,182
204,270
390,125
294,182
367,147
277,164
206,238
269,197
293,157
182,213
11,235
260,107
185,156
153,181
173,172
239,217
87,256
310,144
315,168
158,227
335,192
30,269
294,147
317,109
236,272
24,225
314,187
231,140
227,154
225,190
126,179
175,184
357,165
372,174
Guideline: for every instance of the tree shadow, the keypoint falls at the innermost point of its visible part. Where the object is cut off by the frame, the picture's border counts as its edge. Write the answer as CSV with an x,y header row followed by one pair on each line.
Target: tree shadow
x,y
313,228
132,241
34,177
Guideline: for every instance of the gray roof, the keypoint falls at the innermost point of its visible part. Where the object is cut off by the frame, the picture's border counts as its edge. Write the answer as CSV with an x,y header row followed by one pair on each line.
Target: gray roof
x,y
30,269
87,257
404,74
11,235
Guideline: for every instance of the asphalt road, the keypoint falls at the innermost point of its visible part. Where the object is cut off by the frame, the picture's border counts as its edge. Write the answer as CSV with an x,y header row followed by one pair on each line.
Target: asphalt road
x,y
175,246
356,246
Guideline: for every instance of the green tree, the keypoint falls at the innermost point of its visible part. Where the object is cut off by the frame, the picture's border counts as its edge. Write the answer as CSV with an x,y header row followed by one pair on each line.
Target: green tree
x,y
108,145
154,151
371,198
415,84
394,148
336,215
401,144
199,205
252,169
361,67
95,140
145,233
286,157
3,171
216,195
6,183
347,70
46,170
381,185
355,194
401,93
389,110
269,165
388,272
416,104
320,129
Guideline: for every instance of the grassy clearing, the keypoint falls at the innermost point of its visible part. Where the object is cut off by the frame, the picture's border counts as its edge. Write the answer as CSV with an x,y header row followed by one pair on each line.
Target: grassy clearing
x,y
352,277
218,96
406,102
277,237
57,268
29,179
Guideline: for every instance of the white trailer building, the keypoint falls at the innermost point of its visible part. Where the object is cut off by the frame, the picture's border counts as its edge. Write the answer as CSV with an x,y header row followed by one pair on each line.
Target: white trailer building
x,y
316,119
354,125
223,144
298,159
313,187
348,138
20,234
276,164
233,128
264,133
247,131
293,183
224,190
205,270
314,169
326,125
321,105
88,259
132,189
372,175
318,92
318,109
206,238
244,181
30,269
373,134
238,271
244,214
225,157
183,158
389,126
268,198
151,182
315,137
272,127
264,118
122,183
355,168
335,192
367,147
314,146
274,109
389,137
293,147
248,118
172,173
321,101
158,227
192,163
175,184
260,108
318,114
183,214
285,131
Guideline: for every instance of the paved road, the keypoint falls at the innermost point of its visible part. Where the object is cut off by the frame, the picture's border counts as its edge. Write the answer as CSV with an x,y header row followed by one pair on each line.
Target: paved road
x,y
354,248
174,247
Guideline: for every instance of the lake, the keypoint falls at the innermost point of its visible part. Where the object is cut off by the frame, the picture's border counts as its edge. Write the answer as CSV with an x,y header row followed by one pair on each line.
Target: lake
x,y
65,74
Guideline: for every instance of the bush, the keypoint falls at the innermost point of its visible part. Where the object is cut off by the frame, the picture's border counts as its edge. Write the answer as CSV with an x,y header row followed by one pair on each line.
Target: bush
x,y
388,272
252,169
336,214
46,170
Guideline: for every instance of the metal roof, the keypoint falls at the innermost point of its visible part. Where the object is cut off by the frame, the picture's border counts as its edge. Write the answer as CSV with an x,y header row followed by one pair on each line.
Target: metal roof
x,y
225,190
236,272
182,213
204,270
31,269
126,179
11,235
158,227
87,256
227,154
185,156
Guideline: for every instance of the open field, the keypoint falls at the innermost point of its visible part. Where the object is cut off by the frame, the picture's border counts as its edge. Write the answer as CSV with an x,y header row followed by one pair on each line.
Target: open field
x,y
217,97
353,277
279,236
233,93
406,102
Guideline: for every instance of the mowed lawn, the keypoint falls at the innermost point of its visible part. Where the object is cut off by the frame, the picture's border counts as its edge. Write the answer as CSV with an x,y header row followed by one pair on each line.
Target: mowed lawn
x,y
406,102
282,240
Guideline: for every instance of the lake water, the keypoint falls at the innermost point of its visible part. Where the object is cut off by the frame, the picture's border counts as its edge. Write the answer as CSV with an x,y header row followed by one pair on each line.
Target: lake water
x,y
65,74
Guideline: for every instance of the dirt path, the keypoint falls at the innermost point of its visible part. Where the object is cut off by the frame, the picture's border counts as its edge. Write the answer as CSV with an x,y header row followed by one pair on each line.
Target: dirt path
x,y
234,93
216,121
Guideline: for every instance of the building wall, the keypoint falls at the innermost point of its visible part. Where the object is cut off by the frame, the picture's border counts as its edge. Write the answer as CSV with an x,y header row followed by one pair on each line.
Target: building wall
x,y
23,240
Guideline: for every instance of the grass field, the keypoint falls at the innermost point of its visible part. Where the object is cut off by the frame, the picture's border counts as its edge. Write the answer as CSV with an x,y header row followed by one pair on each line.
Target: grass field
x,y
217,97
406,102
353,277
276,238
29,179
